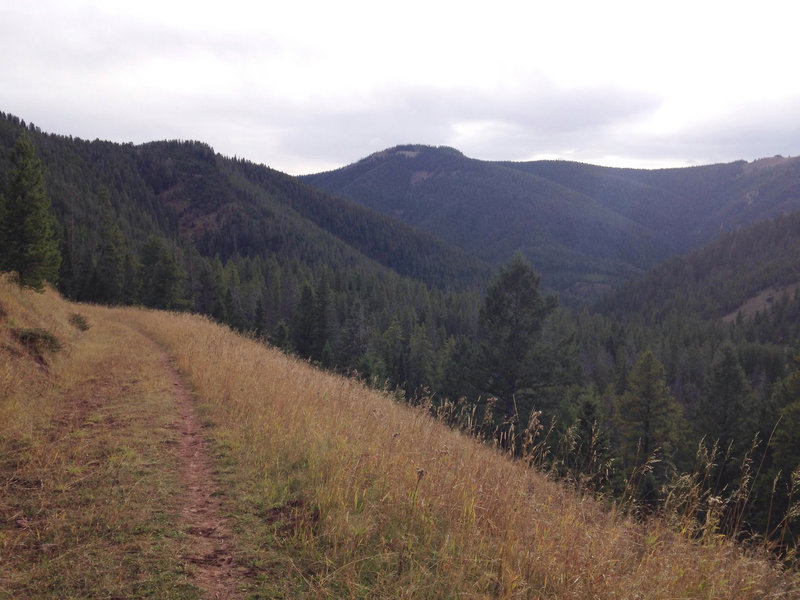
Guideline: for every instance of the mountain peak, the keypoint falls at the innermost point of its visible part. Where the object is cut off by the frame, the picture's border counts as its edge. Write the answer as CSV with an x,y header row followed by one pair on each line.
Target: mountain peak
x,y
413,151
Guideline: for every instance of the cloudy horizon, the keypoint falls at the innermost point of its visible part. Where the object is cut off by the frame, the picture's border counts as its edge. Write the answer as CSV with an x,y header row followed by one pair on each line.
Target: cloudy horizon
x,y
316,86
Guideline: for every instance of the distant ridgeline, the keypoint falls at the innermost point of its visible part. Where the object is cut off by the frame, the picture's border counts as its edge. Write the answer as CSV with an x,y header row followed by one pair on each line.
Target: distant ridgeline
x,y
616,396
583,227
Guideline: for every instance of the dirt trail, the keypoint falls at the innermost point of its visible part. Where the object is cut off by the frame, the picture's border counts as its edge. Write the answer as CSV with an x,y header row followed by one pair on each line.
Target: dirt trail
x,y
209,541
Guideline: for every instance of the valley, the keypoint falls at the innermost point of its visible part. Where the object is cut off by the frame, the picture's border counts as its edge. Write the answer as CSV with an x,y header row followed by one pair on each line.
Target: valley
x,y
417,372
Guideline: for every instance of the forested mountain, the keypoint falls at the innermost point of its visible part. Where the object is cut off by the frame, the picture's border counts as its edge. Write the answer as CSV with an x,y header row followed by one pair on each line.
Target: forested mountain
x,y
730,376
578,224
184,189
493,211
715,280
689,206
175,225
614,396
653,370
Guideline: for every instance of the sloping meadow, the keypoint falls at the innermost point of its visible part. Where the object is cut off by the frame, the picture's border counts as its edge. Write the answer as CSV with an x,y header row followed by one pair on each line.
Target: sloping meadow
x,y
89,487
336,490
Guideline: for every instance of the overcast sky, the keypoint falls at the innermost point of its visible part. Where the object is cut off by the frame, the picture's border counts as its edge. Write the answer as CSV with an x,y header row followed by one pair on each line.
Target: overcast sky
x,y
310,86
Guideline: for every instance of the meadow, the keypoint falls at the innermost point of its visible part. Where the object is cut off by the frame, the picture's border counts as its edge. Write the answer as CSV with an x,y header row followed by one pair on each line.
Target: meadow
x,y
331,489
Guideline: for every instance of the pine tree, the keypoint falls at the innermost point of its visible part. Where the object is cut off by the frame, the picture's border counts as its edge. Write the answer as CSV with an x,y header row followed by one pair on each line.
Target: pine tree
x,y
110,268
393,352
510,321
160,274
726,407
592,456
647,414
303,323
281,337
354,336
27,226
322,319
327,357
260,319
130,287
421,360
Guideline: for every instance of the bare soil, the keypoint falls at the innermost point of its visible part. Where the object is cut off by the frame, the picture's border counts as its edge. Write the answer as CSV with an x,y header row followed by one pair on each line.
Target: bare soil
x,y
761,302
210,548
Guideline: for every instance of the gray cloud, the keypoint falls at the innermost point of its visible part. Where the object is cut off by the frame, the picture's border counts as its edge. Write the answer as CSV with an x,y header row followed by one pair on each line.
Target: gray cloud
x,y
505,126
85,72
748,132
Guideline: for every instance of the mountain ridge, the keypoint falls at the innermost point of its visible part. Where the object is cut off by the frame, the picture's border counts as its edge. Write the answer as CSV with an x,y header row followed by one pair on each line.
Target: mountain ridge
x,y
601,225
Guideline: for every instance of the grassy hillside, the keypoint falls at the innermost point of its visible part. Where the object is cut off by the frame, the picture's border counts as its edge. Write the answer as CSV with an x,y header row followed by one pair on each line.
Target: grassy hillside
x,y
89,486
331,490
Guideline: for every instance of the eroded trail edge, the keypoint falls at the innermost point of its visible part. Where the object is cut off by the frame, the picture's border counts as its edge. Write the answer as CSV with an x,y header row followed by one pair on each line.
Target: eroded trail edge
x,y
209,543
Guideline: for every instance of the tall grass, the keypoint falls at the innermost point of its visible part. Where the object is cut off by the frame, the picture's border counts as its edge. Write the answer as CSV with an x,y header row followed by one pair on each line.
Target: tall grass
x,y
89,491
337,491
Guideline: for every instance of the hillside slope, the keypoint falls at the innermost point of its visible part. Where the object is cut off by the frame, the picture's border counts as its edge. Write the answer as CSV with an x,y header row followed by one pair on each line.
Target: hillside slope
x,y
330,489
577,223
718,278
183,190
174,225
493,210
689,206
91,493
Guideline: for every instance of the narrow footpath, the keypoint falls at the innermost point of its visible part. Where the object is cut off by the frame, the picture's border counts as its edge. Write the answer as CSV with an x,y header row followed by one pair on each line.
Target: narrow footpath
x,y
210,546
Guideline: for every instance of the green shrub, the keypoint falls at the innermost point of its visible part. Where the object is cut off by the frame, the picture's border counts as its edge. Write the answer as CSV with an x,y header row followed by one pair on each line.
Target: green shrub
x,y
37,341
79,321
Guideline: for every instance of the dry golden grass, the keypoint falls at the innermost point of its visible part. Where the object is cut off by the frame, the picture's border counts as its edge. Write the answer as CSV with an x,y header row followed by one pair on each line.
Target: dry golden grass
x,y
88,482
334,489
337,491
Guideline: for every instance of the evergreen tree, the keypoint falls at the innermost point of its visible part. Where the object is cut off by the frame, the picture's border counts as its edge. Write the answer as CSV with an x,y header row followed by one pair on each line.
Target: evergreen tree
x,y
130,289
68,281
421,361
28,227
160,274
458,365
303,324
510,321
110,268
726,415
591,455
648,418
322,319
354,336
210,297
234,305
725,408
281,337
393,352
327,358
260,318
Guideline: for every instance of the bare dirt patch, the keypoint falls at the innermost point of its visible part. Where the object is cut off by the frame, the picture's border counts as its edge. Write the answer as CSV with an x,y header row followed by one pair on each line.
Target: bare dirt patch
x,y
761,302
209,540
419,176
